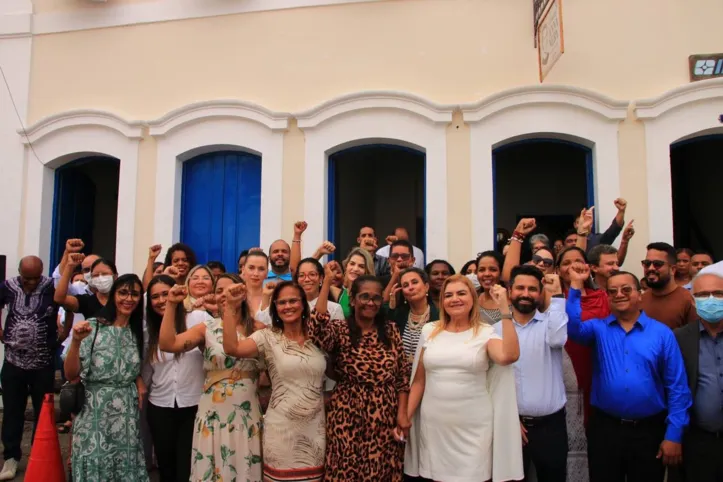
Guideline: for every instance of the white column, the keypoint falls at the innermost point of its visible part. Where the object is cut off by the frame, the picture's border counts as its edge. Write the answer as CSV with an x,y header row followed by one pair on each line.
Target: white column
x,y
15,54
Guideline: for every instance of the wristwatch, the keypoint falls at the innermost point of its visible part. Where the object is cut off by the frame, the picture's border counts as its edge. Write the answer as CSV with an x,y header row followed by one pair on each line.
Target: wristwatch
x,y
507,316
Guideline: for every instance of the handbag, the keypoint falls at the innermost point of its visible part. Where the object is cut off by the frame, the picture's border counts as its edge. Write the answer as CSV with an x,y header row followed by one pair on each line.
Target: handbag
x,y
72,394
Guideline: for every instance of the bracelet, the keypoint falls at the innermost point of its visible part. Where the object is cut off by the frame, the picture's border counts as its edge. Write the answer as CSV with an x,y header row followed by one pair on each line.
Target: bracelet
x,y
507,316
517,234
519,240
296,241
584,233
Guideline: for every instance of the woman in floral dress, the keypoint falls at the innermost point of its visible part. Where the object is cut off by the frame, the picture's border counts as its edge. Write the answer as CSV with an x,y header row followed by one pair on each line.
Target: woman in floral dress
x,y
227,438
373,383
294,428
106,432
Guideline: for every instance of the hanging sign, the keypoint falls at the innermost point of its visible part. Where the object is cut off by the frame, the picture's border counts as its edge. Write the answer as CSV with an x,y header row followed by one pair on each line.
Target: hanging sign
x,y
550,38
705,66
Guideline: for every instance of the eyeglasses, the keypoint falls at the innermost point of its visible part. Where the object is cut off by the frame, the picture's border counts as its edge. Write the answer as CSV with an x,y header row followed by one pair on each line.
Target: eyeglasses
x,y
366,298
288,302
708,294
85,270
656,263
548,262
403,257
625,290
124,294
312,275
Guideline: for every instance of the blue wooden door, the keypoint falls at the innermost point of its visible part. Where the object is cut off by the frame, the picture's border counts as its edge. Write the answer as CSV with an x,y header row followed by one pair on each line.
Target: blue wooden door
x,y
221,205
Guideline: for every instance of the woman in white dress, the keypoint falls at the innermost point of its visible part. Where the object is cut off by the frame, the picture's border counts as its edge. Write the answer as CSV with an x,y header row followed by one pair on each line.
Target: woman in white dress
x,y
465,402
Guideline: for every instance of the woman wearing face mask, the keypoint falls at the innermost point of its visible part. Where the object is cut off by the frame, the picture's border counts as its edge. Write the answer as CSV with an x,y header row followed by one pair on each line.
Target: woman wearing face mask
x,y
181,257
358,263
175,383
372,387
102,275
227,429
489,272
255,271
470,267
294,430
437,271
111,374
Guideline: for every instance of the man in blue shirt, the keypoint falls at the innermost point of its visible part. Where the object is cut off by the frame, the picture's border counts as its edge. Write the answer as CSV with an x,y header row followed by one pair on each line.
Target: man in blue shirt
x,y
279,261
640,393
540,386
701,344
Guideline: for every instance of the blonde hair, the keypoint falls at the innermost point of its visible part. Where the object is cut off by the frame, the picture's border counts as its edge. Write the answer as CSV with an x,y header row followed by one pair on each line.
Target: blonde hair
x,y
188,302
368,260
475,319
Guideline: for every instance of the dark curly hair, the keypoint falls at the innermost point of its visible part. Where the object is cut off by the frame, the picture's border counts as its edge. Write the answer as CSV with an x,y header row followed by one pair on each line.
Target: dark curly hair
x,y
380,321
190,255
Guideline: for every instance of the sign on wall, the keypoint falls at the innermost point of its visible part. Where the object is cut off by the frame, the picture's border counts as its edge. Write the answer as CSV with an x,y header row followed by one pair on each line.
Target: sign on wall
x,y
538,9
705,66
550,38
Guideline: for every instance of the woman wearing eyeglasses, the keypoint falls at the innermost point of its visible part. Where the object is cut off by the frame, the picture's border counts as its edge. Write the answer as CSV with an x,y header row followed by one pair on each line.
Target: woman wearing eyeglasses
x,y
370,398
106,353
294,436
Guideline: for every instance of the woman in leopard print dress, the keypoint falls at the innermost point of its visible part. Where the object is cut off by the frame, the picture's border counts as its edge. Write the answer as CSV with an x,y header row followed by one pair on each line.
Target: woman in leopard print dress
x,y
372,383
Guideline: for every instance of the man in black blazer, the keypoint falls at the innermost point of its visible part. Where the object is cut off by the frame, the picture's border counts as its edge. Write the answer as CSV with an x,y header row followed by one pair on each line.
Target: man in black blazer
x,y
701,344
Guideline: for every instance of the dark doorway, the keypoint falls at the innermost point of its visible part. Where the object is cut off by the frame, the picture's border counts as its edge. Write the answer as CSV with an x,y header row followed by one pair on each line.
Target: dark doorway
x,y
696,168
86,206
547,179
381,186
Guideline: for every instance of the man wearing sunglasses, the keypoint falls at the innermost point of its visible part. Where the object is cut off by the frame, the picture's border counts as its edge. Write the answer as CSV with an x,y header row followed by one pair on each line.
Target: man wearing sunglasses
x,y
665,301
640,395
401,257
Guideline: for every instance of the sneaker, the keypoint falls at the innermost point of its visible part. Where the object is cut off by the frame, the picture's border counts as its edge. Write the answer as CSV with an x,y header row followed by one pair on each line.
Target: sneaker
x,y
9,469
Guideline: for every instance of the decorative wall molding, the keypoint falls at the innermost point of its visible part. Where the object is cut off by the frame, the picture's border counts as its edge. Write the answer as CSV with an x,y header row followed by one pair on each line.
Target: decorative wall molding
x,y
686,94
359,101
16,24
218,109
109,15
546,94
81,118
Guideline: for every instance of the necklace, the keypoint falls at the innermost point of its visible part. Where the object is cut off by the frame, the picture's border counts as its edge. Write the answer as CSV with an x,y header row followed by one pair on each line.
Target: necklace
x,y
416,321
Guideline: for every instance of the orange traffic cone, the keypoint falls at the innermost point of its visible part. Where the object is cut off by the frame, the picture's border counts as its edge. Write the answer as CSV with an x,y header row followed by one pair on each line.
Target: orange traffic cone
x,y
46,463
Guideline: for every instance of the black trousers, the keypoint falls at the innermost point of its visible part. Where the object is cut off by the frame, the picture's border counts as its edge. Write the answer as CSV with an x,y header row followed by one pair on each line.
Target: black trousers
x,y
17,384
172,434
702,456
546,447
621,450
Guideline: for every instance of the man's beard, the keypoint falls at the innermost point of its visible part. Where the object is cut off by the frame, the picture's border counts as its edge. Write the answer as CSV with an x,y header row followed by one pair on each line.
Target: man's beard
x,y
660,283
283,268
525,309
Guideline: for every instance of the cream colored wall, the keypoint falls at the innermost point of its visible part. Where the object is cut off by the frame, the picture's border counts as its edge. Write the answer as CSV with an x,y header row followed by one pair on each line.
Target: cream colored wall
x,y
450,51
145,203
633,187
458,189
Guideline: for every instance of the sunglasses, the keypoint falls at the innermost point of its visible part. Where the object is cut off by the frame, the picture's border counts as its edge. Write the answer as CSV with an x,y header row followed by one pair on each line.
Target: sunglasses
x,y
656,263
625,290
403,257
548,262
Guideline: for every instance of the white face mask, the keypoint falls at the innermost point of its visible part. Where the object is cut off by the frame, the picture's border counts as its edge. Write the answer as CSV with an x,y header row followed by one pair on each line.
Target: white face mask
x,y
87,277
80,285
102,283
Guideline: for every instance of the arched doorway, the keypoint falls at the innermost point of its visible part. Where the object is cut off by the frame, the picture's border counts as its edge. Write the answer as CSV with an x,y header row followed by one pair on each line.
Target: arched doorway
x,y
550,180
221,205
696,167
378,185
85,206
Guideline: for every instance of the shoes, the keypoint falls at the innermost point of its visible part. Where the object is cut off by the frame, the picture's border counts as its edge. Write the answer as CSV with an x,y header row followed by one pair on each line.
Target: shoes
x,y
9,469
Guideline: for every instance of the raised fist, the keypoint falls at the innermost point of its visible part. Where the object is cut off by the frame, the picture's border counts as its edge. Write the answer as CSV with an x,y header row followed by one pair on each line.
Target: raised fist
x,y
499,295
327,247
391,239
154,251
75,259
74,245
621,204
177,294
300,227
526,226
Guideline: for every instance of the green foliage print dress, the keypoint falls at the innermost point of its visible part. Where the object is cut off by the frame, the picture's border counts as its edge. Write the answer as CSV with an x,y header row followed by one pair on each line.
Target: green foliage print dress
x,y
227,434
106,433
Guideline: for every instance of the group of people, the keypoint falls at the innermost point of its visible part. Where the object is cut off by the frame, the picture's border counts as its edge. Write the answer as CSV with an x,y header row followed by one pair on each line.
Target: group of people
x,y
539,361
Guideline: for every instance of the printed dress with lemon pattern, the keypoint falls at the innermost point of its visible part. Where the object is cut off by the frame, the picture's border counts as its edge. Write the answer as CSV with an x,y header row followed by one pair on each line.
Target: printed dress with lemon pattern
x,y
227,432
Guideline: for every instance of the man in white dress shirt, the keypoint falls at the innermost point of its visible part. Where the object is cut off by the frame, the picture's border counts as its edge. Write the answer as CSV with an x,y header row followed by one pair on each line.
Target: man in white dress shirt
x,y
402,234
538,372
